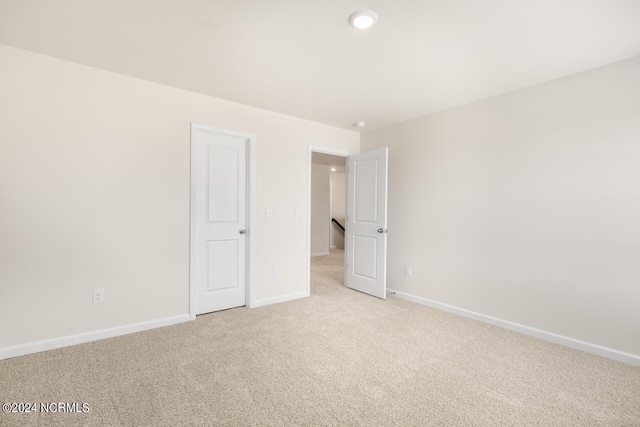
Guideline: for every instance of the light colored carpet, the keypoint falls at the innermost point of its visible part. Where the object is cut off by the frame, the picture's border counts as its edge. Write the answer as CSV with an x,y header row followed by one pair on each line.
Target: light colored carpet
x,y
337,358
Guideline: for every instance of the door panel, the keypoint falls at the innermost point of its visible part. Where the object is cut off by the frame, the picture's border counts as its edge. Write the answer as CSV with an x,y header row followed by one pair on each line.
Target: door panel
x,y
366,242
222,265
364,256
366,190
223,192
220,215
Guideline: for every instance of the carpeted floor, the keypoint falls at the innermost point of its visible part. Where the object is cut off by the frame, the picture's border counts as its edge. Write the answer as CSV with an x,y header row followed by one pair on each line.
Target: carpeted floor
x,y
337,358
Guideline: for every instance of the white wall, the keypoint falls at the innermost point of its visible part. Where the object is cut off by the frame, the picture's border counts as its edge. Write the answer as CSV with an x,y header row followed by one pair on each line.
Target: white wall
x,y
94,192
526,206
338,200
320,209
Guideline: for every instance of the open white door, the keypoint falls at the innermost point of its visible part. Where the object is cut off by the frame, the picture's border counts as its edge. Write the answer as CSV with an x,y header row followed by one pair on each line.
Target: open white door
x,y
366,237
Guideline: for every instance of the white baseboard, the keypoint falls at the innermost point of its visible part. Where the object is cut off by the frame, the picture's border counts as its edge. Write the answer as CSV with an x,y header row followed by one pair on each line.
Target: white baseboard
x,y
319,254
332,247
599,350
281,298
36,347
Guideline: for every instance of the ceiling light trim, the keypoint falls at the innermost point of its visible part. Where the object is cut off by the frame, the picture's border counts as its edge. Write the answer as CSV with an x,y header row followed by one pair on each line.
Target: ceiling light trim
x,y
363,19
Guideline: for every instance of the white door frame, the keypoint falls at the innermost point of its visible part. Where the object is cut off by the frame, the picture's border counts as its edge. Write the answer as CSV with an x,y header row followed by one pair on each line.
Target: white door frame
x,y
324,150
251,217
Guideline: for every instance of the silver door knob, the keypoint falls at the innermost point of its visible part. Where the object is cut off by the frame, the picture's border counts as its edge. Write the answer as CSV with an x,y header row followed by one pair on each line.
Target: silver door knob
x,y
380,230
243,231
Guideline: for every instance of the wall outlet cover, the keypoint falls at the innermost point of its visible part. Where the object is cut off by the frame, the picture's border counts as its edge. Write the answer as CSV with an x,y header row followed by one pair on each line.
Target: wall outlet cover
x,y
98,296
407,270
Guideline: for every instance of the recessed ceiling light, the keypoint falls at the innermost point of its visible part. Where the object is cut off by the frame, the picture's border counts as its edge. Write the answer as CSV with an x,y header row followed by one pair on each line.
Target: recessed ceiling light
x,y
363,19
359,124
333,169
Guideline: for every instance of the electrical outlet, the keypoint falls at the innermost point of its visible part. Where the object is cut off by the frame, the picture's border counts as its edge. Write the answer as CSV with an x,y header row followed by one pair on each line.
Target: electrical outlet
x,y
275,273
407,270
98,296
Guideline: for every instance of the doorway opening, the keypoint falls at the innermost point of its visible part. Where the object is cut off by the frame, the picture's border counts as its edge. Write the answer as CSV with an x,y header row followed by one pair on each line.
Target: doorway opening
x,y
364,256
327,212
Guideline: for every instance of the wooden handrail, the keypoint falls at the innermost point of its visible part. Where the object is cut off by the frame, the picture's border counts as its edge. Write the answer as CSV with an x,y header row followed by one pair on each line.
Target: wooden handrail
x,y
338,224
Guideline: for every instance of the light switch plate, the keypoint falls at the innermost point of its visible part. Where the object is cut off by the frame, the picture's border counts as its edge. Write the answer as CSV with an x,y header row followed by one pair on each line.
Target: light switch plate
x,y
268,213
299,213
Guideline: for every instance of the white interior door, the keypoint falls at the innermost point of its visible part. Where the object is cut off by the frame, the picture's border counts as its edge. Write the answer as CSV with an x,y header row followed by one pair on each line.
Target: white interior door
x,y
366,237
220,219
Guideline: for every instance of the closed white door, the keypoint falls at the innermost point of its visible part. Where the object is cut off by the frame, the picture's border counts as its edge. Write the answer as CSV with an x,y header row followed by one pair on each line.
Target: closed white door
x,y
366,237
219,220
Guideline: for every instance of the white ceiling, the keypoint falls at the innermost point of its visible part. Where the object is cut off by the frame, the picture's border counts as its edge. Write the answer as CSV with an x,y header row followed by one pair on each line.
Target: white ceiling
x,y
337,162
300,57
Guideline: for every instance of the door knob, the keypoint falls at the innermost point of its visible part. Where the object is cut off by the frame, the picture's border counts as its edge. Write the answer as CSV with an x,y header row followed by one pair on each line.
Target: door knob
x,y
243,231
380,230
